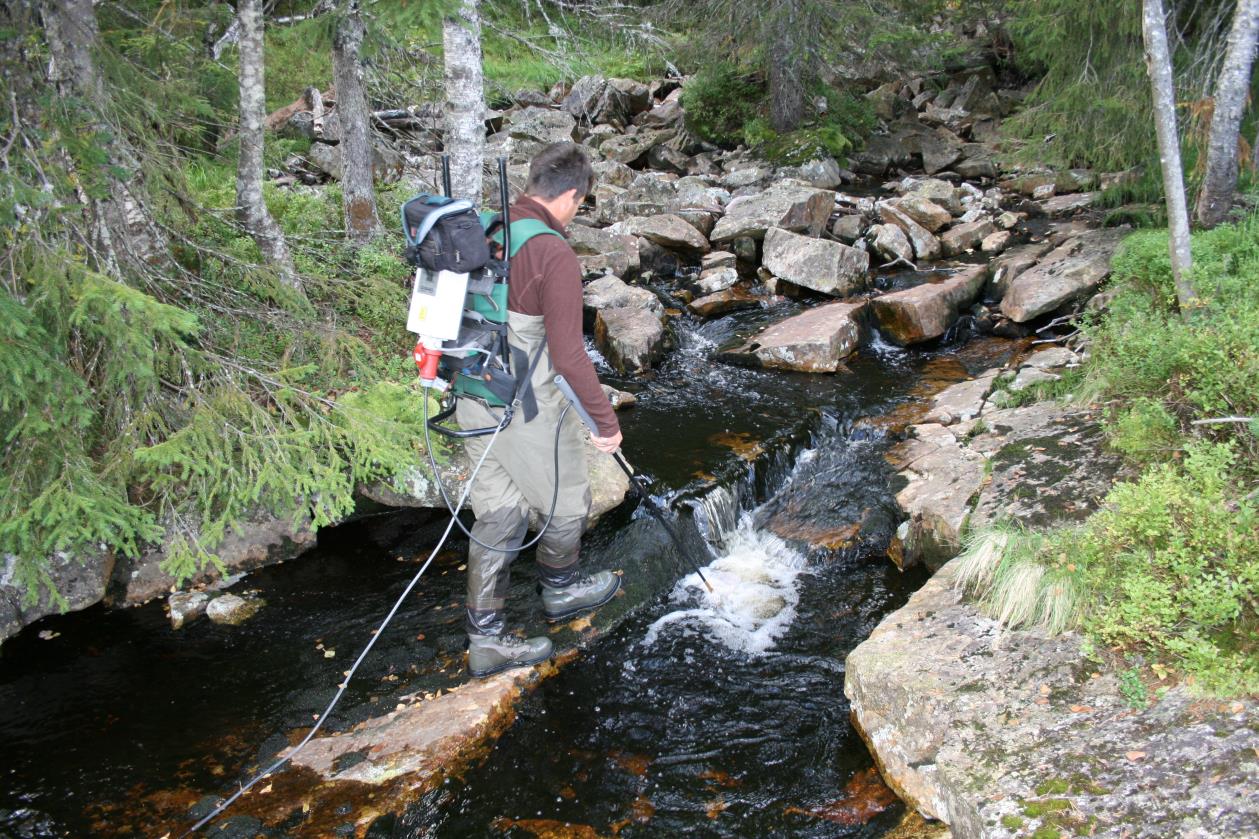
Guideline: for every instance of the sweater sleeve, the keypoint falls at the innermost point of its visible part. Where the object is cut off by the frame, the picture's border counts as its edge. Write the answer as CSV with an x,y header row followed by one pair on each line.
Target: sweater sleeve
x,y
561,299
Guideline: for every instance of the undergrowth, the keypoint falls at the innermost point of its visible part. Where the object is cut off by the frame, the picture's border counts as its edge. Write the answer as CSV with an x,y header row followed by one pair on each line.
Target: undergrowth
x,y
1167,570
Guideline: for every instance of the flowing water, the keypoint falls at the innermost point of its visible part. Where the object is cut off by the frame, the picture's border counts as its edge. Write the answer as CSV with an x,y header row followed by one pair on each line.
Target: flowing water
x,y
707,714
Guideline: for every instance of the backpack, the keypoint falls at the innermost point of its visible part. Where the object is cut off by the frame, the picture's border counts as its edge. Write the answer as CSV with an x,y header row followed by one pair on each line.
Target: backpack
x,y
486,372
444,234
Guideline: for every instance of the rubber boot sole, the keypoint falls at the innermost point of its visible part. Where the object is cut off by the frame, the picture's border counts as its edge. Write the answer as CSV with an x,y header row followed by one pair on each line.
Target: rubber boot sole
x,y
508,665
572,613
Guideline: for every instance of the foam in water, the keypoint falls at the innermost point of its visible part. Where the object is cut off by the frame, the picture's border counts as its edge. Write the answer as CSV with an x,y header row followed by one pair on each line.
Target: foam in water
x,y
596,357
754,596
883,348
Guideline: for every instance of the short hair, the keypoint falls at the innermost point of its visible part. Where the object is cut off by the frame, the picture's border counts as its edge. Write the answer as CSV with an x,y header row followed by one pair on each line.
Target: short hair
x,y
558,168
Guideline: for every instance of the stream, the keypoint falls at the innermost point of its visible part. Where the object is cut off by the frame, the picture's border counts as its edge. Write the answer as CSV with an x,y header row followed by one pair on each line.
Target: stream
x,y
706,714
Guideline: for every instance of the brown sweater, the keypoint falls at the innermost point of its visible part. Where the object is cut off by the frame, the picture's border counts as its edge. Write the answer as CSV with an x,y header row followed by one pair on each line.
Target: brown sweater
x,y
546,281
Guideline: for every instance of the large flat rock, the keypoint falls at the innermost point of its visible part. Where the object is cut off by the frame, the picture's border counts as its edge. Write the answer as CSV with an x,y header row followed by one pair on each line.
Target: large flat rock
x,y
80,581
928,310
800,209
817,264
1004,733
667,230
941,478
815,341
1073,270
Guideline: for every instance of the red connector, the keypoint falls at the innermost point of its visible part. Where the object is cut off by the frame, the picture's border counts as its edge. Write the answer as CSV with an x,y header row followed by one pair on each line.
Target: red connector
x,y
426,359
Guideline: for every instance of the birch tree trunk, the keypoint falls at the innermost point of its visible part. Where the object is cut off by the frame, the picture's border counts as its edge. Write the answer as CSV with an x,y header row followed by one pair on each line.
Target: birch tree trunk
x,y
122,232
1158,62
465,94
357,187
1216,195
251,210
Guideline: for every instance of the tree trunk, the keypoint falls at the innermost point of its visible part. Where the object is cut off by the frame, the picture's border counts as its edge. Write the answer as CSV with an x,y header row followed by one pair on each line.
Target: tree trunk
x,y
465,94
1158,62
786,64
122,232
1216,195
357,188
251,210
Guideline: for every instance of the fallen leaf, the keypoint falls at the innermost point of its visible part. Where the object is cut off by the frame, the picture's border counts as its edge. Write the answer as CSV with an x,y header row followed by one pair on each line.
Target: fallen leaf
x,y
329,653
1135,755
715,808
1081,709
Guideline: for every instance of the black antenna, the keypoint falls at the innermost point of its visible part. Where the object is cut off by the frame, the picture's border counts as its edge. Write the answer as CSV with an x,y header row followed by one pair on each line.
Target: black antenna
x,y
446,174
503,195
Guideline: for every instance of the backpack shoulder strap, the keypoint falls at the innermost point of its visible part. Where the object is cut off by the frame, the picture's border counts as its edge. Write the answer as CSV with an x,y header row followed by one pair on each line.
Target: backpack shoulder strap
x,y
522,231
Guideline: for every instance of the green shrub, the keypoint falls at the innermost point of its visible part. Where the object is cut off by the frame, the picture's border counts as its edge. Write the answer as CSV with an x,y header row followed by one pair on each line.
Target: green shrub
x,y
720,101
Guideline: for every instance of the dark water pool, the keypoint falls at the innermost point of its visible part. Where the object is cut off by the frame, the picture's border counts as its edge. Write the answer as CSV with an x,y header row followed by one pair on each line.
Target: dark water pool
x,y
113,724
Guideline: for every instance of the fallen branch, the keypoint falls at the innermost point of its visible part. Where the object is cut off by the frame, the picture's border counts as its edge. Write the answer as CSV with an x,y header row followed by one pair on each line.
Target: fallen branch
x,y
278,117
1222,420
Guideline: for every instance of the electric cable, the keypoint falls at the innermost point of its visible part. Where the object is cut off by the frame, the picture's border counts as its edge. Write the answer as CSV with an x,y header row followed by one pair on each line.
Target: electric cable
x,y
555,491
349,674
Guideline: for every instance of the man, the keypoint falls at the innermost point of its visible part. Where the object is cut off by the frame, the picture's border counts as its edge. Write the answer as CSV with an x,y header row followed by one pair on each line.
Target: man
x,y
544,316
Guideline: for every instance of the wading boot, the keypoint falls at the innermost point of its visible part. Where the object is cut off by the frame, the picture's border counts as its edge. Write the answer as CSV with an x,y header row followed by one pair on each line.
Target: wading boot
x,y
489,654
589,591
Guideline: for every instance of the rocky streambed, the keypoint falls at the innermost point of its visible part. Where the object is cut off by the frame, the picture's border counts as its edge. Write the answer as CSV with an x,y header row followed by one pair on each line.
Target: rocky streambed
x,y
821,405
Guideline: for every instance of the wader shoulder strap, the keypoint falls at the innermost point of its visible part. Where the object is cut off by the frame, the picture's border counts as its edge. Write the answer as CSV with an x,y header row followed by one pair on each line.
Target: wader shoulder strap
x,y
522,230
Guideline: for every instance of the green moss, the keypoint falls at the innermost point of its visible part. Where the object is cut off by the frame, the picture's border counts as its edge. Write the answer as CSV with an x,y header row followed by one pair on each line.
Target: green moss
x,y
1037,809
1047,832
1053,786
1011,822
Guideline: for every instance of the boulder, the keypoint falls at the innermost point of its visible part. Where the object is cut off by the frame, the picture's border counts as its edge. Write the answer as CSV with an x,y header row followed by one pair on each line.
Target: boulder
x,y
594,100
966,237
232,610
185,606
1063,206
1005,268
650,194
631,339
604,251
923,210
996,242
611,172
976,168
938,192
815,341
717,259
632,149
891,243
716,279
636,94
257,540
542,126
1071,272
668,231
927,311
749,176
940,150
664,158
794,208
614,293
849,228
664,115
823,173
817,264
722,303
81,582
926,246
386,162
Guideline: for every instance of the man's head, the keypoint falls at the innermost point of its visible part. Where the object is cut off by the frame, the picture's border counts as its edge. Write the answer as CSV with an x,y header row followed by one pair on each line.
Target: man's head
x,y
560,178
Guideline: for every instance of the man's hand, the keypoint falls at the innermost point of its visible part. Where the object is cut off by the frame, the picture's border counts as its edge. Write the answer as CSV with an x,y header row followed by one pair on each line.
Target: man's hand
x,y
607,445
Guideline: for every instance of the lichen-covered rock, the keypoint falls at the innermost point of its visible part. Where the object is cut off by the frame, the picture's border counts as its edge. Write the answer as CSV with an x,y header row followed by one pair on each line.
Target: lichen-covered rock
x,y
542,126
1068,273
942,476
632,149
798,209
923,210
668,231
714,280
960,402
614,293
817,264
891,243
722,302
1004,269
927,311
815,341
966,237
604,251
1003,733
81,582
